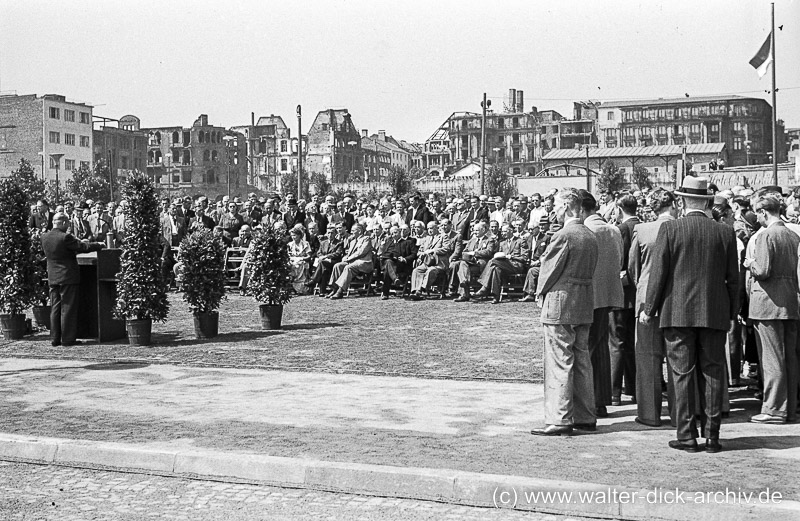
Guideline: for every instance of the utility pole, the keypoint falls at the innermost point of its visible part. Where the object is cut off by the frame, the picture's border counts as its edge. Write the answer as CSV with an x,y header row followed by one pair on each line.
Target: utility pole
x,y
299,153
484,105
774,107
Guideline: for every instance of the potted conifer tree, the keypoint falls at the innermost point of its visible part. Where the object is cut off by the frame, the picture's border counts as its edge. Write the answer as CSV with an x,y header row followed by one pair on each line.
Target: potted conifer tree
x,y
270,283
17,272
202,257
141,288
41,289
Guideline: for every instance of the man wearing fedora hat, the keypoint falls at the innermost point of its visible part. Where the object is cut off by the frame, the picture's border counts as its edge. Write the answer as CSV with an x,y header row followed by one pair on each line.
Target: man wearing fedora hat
x,y
693,287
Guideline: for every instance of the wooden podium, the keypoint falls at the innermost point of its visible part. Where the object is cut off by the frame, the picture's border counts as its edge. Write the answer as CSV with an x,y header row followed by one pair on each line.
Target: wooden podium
x,y
97,295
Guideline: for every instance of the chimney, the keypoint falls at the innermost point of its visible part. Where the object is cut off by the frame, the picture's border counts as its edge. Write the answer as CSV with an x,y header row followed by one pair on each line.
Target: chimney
x,y
364,133
512,99
382,135
252,119
520,102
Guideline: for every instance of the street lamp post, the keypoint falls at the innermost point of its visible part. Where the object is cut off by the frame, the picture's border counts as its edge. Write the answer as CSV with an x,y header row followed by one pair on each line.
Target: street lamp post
x,y
227,140
299,152
747,150
484,105
56,158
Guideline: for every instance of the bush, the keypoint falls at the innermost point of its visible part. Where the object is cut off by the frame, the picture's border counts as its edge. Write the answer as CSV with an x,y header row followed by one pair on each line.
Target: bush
x,y
270,270
41,289
142,290
25,178
16,269
203,260
610,179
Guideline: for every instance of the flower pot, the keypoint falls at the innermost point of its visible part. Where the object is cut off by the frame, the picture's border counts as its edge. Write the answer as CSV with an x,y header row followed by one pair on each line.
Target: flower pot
x,y
271,316
139,331
42,316
206,325
13,326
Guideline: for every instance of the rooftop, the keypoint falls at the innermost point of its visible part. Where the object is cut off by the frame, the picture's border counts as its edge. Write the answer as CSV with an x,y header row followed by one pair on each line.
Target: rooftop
x,y
660,150
673,101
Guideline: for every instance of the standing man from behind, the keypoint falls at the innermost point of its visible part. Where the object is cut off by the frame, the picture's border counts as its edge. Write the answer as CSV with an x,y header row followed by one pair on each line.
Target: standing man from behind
x,y
693,287
608,295
650,350
774,310
63,276
565,287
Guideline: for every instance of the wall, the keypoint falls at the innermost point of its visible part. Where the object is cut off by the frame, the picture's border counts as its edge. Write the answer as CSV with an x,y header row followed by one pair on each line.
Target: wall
x,y
20,132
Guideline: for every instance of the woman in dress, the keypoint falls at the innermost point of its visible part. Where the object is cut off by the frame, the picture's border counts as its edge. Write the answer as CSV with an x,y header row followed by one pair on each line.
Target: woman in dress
x,y
299,255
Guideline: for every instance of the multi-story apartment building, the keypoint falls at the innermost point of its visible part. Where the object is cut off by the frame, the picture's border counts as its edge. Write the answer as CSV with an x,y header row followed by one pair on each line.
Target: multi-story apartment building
x,y
743,124
334,146
377,157
54,134
793,144
436,151
123,147
271,151
202,157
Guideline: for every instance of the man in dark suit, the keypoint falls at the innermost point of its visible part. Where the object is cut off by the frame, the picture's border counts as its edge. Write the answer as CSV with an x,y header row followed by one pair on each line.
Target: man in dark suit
x,y
539,242
173,227
418,211
511,258
693,287
63,276
773,308
565,287
397,260
622,331
331,250
293,215
42,218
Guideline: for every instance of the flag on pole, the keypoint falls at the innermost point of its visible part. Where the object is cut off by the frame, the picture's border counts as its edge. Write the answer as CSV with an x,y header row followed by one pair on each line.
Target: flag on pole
x,y
763,57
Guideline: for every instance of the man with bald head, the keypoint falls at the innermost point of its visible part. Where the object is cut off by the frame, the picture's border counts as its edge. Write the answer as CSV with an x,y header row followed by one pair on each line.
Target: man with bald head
x,y
63,276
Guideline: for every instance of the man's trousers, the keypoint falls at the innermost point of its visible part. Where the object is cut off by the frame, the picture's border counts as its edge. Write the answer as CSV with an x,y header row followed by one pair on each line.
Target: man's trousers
x,y
568,386
63,313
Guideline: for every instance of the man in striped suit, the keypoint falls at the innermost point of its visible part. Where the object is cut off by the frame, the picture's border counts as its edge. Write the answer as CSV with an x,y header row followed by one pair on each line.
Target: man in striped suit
x,y
693,287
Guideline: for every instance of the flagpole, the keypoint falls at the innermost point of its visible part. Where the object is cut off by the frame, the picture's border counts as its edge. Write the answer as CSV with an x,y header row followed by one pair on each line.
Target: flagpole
x,y
774,108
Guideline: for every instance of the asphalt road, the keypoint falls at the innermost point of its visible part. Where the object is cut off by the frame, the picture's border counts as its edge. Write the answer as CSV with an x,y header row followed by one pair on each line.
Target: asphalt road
x,y
42,492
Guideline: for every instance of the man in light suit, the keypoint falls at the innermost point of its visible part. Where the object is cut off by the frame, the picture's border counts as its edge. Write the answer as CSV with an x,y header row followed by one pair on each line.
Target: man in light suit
x,y
473,258
608,295
461,219
693,286
357,259
622,327
565,287
511,257
431,261
773,291
650,350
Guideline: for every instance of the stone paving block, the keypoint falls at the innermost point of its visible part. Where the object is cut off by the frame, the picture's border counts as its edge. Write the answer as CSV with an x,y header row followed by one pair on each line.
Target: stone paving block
x,y
690,510
115,455
18,447
271,469
383,480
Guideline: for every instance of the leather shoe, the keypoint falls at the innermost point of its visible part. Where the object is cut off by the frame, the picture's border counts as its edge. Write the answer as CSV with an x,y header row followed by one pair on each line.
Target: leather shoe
x,y
713,446
398,284
464,298
416,296
336,296
495,300
553,430
55,343
768,419
73,343
646,423
616,401
481,293
601,412
585,426
686,446
452,294
384,297
527,298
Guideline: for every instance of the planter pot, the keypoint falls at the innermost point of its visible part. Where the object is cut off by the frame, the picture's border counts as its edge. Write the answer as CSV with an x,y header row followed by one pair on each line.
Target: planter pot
x,y
271,316
139,331
13,326
206,325
42,316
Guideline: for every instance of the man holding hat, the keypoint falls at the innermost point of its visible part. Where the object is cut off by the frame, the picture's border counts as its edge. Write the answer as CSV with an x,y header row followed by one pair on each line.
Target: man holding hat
x,y
693,287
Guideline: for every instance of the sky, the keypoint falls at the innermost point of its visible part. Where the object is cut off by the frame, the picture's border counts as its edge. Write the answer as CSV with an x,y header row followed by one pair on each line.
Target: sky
x,y
403,67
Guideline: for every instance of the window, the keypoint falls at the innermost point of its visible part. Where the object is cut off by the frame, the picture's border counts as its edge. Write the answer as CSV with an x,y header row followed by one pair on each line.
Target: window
x,y
284,165
501,123
69,115
55,113
501,154
206,155
464,123
738,127
516,154
176,177
187,158
186,176
69,164
85,141
200,136
610,116
621,170
187,138
695,129
500,139
737,142
176,156
211,176
55,137
69,139
214,156
123,162
324,127
84,164
515,122
54,163
85,118
283,146
515,138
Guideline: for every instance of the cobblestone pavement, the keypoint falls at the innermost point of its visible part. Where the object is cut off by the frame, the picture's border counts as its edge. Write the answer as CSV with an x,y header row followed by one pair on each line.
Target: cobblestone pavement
x,y
40,492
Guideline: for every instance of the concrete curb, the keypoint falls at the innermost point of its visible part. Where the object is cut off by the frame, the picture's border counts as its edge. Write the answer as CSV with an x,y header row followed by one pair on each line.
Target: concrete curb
x,y
442,485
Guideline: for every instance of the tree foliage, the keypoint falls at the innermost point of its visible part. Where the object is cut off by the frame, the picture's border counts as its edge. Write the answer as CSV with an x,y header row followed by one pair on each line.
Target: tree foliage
x,y
26,179
320,183
41,289
142,290
270,269
610,179
203,259
17,272
497,181
641,178
90,183
399,180
289,184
